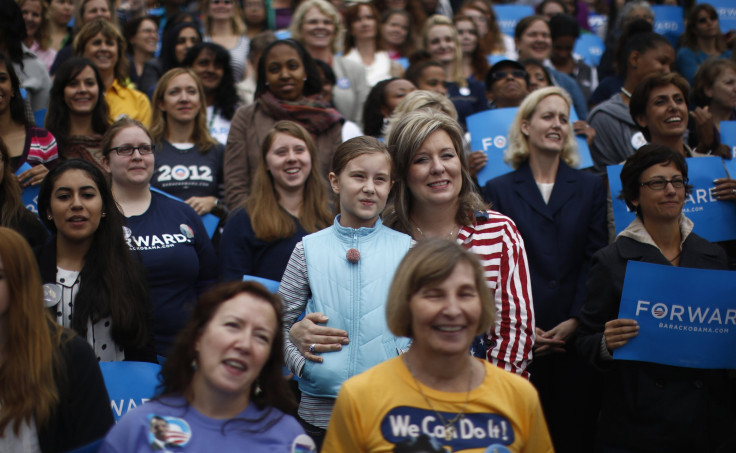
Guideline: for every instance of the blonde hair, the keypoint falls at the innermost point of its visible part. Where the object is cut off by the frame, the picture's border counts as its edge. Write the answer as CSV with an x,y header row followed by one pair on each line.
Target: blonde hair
x,y
518,151
159,123
237,21
326,8
431,262
457,70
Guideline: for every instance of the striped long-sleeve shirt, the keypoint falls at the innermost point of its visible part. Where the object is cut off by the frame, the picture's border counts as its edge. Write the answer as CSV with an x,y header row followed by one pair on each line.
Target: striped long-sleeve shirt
x,y
498,245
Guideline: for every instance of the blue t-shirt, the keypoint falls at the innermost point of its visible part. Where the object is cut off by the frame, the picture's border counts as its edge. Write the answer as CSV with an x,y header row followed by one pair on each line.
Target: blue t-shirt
x,y
181,428
242,253
179,260
186,173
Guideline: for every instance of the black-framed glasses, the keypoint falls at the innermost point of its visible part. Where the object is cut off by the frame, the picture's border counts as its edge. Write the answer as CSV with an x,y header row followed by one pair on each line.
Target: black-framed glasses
x,y
128,150
661,183
500,75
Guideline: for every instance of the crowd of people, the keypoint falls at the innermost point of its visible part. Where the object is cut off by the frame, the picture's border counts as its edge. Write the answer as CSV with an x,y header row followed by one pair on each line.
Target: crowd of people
x,y
162,162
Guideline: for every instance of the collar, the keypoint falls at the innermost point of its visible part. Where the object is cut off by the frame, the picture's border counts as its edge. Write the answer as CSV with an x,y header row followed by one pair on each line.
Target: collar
x,y
639,233
348,233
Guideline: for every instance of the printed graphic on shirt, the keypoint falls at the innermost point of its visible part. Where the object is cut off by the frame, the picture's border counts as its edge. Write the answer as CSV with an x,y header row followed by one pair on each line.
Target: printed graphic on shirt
x,y
183,176
166,432
158,241
424,429
303,444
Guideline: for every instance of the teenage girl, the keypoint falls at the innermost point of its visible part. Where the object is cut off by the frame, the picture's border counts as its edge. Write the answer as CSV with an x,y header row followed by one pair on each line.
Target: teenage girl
x,y
341,276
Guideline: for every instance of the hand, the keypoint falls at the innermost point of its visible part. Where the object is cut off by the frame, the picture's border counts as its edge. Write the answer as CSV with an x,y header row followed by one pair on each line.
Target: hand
x,y
703,127
725,189
326,339
202,205
618,332
580,127
476,161
33,176
554,340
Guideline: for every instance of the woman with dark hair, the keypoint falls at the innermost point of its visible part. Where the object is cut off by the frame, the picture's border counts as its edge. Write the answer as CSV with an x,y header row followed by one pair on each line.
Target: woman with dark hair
x,y
617,135
141,39
288,88
188,159
167,234
178,38
381,102
255,17
702,40
538,75
413,10
395,37
211,63
100,289
222,387
363,44
26,143
647,406
499,45
53,395
475,64
60,14
13,214
426,73
31,71
102,43
78,115
288,201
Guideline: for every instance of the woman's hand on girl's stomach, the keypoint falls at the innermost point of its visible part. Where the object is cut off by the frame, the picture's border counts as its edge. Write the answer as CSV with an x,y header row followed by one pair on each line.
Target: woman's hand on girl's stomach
x,y
308,333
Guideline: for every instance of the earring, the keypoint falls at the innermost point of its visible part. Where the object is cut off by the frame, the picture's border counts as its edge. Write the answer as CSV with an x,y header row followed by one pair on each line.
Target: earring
x,y
50,217
257,391
305,79
104,213
194,364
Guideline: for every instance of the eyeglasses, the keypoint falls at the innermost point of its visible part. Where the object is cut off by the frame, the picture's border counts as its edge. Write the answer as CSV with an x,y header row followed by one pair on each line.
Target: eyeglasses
x,y
518,73
705,19
217,2
661,183
128,150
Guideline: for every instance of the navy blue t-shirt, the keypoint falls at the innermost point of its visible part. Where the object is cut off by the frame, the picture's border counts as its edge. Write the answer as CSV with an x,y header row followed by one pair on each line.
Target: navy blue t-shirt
x,y
179,260
186,173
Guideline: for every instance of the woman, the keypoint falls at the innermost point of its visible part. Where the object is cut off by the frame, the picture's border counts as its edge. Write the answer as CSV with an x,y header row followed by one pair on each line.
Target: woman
x,y
224,25
78,115
702,40
617,136
60,14
101,290
188,159
101,42
141,39
211,63
255,17
426,74
288,201
646,406
175,44
499,45
222,386
288,88
538,75
27,144
38,38
441,41
714,97
413,9
317,25
362,44
53,395
13,214
439,391
169,236
474,62
561,214
395,38
381,102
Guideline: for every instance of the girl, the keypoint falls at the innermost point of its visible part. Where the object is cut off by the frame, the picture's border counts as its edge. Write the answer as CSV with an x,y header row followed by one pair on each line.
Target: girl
x,y
341,276
289,200
188,160
102,290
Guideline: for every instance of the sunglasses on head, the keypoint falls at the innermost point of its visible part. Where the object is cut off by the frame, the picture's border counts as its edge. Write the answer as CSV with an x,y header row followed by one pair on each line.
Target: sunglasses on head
x,y
518,73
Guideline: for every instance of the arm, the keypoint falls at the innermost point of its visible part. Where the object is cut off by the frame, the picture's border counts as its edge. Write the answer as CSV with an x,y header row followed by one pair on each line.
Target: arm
x,y
512,335
294,292
237,184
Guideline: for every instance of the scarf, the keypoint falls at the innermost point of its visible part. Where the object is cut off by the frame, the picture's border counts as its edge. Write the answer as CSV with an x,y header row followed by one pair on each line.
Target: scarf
x,y
310,111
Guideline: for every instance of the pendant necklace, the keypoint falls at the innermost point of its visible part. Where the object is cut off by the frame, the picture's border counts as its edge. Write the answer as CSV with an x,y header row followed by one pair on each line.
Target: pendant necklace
x,y
450,236
449,425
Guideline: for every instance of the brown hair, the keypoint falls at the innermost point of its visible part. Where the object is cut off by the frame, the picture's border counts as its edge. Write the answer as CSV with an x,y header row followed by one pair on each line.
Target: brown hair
x,y
689,38
43,35
706,76
640,96
159,124
12,210
119,125
478,59
109,31
351,15
27,385
269,221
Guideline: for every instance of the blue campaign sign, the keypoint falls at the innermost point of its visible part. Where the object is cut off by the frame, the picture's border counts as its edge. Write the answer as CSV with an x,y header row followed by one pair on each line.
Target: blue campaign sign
x,y
508,16
726,13
271,285
691,324
489,133
668,22
597,24
583,149
728,137
210,221
30,193
713,219
590,48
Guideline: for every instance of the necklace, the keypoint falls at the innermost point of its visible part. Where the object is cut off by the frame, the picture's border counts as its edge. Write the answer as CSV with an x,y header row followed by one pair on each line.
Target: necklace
x,y
674,258
626,92
450,236
449,425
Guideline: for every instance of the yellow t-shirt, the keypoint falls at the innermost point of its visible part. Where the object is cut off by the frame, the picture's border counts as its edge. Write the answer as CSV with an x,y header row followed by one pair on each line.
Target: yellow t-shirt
x,y
382,408
123,101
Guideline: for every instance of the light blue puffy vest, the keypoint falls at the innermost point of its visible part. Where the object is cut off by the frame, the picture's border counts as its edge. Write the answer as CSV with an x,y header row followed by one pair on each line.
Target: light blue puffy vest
x,y
353,297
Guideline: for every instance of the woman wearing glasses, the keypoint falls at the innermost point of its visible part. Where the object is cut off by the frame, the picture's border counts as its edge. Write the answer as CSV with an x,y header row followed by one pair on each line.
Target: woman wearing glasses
x,y
169,235
646,406
702,40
